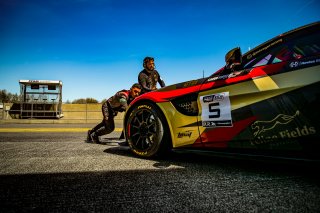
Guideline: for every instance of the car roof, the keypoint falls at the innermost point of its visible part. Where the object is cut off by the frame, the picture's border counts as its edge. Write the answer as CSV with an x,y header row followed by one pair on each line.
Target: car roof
x,y
259,48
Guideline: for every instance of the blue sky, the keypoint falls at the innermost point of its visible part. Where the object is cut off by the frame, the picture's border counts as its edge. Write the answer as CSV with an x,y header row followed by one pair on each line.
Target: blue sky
x,y
96,47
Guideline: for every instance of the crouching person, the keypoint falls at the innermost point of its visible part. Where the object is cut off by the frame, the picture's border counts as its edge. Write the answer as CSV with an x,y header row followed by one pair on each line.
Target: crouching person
x,y
110,108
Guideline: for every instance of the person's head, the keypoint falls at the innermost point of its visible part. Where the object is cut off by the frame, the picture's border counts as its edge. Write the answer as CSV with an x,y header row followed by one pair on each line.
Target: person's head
x,y
135,90
148,63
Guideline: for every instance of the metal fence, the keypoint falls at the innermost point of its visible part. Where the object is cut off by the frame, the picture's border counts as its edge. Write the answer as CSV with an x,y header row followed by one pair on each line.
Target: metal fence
x,y
70,112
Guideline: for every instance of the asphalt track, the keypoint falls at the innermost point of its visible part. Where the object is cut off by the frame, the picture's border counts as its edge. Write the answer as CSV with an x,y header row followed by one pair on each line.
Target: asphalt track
x,y
50,168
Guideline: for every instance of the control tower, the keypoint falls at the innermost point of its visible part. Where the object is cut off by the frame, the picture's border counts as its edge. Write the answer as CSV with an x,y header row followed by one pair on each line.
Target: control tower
x,y
40,99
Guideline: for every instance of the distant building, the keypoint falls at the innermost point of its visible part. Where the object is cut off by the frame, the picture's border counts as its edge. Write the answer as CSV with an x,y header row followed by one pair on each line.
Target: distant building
x,y
40,99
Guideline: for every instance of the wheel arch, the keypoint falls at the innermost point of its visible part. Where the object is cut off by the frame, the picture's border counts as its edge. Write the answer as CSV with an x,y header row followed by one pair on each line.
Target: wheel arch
x,y
167,123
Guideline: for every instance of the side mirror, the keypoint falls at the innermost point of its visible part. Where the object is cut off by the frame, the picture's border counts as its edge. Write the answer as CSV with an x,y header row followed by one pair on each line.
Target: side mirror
x,y
234,59
234,56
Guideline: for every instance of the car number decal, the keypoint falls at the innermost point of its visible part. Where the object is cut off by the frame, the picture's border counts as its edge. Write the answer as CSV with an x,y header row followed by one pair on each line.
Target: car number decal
x,y
216,110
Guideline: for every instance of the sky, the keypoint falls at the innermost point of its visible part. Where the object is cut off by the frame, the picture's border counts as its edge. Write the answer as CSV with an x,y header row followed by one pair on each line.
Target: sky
x,y
96,47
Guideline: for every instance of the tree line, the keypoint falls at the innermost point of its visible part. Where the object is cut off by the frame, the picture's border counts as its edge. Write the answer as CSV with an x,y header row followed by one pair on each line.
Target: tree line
x,y
83,101
7,97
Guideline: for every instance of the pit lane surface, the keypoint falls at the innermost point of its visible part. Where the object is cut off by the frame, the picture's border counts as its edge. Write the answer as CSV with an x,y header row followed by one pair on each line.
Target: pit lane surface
x,y
54,170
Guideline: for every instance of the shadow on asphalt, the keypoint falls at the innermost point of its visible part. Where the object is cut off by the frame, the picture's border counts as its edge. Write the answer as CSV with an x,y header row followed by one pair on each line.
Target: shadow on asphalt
x,y
162,190
187,160
114,191
197,183
191,160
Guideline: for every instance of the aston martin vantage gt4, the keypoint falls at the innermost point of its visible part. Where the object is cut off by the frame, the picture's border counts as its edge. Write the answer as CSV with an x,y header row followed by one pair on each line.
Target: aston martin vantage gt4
x,y
265,102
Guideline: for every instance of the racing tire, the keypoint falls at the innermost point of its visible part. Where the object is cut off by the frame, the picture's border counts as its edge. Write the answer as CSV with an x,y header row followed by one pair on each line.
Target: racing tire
x,y
147,131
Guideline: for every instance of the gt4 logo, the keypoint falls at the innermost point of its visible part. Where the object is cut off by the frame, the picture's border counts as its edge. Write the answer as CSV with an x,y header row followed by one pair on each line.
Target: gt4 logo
x,y
210,98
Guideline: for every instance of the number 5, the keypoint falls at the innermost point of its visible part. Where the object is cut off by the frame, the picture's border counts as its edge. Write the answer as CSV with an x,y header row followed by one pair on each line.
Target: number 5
x,y
214,109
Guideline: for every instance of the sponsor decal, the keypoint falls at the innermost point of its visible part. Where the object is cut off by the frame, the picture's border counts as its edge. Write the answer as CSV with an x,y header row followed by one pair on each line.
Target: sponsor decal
x,y
285,134
185,134
211,98
262,126
140,153
207,98
298,132
304,63
213,78
190,83
280,136
221,77
231,75
294,64
226,123
309,62
144,106
264,48
216,110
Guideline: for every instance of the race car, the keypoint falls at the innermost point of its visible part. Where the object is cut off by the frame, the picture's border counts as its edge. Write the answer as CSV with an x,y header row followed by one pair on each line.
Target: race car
x,y
264,102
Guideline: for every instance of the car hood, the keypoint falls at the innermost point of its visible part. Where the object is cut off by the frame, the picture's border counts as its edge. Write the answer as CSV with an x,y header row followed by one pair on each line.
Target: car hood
x,y
172,91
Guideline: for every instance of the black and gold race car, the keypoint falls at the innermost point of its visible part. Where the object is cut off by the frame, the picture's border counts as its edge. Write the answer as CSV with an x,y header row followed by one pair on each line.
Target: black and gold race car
x,y
265,102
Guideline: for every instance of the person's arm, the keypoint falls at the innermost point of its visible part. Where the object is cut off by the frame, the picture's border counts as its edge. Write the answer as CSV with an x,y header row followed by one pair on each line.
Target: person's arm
x,y
160,81
123,100
143,82
124,104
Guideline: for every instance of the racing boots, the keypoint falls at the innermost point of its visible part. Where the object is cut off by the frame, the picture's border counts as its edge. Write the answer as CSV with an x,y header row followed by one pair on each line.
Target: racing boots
x,y
92,137
89,137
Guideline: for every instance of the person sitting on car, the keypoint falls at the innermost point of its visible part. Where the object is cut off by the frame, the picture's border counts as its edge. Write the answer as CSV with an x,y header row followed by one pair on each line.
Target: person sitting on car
x,y
149,77
110,108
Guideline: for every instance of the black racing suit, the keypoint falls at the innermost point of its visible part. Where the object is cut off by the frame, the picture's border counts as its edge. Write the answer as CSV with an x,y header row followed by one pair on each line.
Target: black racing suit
x,y
148,80
110,108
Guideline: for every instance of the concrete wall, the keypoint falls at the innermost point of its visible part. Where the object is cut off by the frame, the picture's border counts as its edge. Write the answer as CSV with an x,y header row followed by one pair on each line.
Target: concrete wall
x,y
82,111
73,113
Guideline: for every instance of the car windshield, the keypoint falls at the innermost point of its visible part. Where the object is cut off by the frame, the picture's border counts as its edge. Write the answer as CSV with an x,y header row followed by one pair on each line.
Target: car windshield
x,y
293,49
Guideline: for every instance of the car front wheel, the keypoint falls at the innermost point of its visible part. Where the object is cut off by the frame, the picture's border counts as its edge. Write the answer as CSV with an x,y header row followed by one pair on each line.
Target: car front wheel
x,y
146,131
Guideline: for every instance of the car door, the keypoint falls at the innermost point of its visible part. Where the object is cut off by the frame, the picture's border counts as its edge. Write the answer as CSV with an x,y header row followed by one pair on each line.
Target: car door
x,y
222,113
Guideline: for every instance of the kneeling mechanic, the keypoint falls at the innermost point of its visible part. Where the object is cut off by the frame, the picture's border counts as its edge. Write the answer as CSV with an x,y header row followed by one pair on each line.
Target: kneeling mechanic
x,y
110,108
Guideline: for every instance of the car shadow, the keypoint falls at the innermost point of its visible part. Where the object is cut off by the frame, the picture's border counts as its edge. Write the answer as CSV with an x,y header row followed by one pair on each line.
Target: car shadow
x,y
191,160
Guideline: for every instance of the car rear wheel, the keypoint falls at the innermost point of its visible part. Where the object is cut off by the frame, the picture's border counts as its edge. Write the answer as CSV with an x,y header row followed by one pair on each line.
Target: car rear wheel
x,y
146,131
